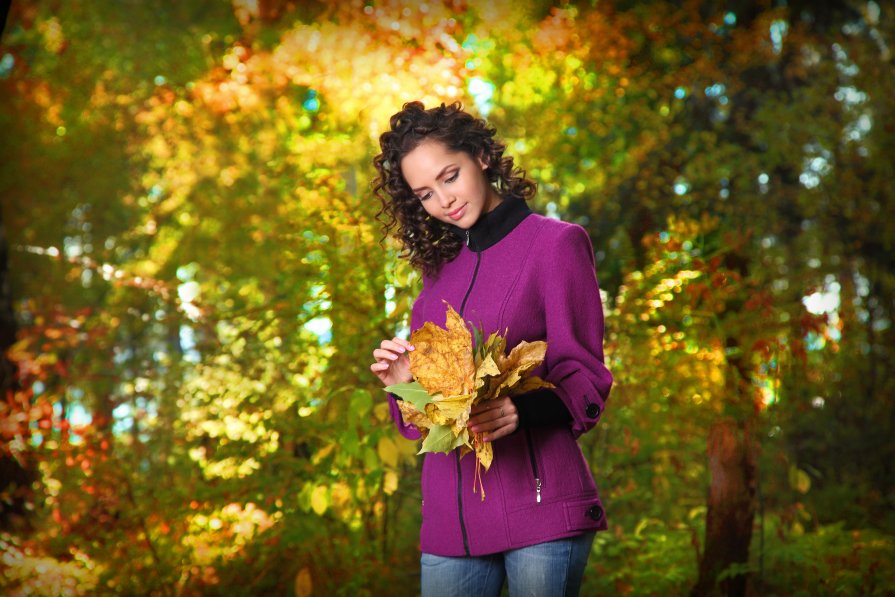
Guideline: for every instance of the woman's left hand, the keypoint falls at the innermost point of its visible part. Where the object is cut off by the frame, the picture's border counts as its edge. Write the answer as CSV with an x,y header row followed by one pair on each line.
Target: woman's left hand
x,y
494,419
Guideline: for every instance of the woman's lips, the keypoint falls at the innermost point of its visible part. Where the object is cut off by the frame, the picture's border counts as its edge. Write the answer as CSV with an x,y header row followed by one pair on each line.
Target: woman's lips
x,y
456,215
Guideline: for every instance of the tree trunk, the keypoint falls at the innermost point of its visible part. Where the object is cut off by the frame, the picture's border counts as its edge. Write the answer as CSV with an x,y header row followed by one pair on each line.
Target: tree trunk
x,y
731,508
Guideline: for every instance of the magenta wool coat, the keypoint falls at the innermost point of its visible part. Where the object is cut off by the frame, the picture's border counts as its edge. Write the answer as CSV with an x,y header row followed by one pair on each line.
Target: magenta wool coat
x,y
534,278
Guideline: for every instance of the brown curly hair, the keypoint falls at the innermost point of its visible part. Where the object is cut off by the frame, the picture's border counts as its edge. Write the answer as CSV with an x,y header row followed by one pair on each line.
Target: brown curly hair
x,y
428,242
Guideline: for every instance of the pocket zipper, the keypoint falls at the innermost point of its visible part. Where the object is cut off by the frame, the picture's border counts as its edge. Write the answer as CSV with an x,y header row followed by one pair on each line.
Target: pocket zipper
x,y
534,465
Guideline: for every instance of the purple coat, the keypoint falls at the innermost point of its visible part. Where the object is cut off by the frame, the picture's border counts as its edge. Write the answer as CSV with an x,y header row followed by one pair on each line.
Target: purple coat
x,y
534,278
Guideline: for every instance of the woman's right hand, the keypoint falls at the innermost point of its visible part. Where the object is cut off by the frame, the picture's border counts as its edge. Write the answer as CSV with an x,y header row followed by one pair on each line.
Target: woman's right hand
x,y
392,364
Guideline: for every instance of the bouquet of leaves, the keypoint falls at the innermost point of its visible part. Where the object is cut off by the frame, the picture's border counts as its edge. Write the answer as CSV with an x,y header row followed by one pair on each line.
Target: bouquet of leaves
x,y
451,378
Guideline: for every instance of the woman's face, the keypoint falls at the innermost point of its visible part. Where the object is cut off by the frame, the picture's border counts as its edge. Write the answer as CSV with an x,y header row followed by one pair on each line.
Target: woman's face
x,y
452,186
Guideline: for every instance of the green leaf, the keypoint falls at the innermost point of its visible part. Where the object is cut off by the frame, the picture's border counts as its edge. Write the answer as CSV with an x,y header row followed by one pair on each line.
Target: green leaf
x,y
461,439
479,337
440,439
412,392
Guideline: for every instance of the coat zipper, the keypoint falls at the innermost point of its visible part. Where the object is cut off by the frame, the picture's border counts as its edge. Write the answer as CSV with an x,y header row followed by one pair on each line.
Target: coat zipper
x,y
534,465
460,505
475,273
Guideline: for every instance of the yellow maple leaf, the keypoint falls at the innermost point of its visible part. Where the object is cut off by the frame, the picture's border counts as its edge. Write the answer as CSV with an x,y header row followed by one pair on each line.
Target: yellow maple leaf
x,y
487,368
514,368
485,453
525,356
453,406
454,410
435,416
442,361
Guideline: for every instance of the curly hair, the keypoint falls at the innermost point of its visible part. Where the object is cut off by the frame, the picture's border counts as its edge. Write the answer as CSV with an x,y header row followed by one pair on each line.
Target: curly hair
x,y
428,242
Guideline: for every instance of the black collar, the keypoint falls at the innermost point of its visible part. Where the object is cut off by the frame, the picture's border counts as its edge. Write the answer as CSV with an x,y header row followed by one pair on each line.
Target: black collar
x,y
493,225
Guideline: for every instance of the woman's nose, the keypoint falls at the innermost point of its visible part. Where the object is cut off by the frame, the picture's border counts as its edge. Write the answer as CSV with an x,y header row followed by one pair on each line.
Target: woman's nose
x,y
445,199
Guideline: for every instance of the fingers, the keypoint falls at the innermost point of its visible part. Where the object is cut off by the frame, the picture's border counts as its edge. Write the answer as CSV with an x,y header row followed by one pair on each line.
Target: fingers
x,y
494,419
492,409
382,355
478,426
501,432
405,343
391,350
487,416
392,363
399,345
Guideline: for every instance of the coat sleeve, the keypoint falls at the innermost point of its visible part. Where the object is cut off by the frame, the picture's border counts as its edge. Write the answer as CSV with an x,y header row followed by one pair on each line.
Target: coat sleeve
x,y
406,429
574,322
541,408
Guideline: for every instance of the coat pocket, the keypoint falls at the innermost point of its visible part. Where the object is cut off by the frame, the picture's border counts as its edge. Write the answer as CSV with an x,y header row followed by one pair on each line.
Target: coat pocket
x,y
585,514
563,469
536,471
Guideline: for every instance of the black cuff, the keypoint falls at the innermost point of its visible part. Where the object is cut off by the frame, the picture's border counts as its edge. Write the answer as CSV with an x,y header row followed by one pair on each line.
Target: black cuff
x,y
541,408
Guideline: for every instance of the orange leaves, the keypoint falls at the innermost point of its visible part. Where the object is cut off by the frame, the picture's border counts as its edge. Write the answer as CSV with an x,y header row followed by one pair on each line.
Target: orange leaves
x,y
555,31
760,300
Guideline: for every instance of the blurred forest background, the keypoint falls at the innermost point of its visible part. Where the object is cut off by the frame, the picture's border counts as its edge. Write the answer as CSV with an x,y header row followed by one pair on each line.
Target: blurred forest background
x,y
193,282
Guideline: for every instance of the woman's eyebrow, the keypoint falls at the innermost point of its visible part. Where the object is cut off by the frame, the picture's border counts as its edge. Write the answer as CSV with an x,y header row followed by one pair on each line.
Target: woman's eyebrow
x,y
440,175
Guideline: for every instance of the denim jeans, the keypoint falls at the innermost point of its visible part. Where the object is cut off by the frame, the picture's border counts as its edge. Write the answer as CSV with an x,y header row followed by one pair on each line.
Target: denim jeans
x,y
551,569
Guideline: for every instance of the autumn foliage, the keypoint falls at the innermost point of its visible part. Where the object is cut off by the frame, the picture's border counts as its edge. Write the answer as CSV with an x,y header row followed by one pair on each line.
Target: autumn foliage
x,y
192,279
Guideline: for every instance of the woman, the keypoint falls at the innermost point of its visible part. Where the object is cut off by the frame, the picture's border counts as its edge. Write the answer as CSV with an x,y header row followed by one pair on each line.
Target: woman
x,y
459,207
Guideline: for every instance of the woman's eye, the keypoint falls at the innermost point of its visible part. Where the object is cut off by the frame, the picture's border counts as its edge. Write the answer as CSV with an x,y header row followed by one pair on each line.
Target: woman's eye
x,y
453,177
426,196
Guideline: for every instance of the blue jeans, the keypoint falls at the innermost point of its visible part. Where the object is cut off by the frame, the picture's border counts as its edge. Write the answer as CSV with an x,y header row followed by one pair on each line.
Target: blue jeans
x,y
551,569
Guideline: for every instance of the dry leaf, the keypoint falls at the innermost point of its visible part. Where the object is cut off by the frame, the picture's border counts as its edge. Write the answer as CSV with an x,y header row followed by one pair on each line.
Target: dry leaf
x,y
454,407
413,416
487,368
524,357
529,384
485,453
442,360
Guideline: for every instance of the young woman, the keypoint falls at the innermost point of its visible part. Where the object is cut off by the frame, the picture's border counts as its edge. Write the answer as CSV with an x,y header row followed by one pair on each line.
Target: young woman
x,y
459,208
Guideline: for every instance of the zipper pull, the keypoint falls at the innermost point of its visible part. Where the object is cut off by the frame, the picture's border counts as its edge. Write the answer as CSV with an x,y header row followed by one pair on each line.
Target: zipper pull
x,y
467,238
538,481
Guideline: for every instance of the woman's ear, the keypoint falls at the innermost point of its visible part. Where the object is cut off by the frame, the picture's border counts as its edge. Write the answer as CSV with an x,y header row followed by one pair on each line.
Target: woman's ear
x,y
480,159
